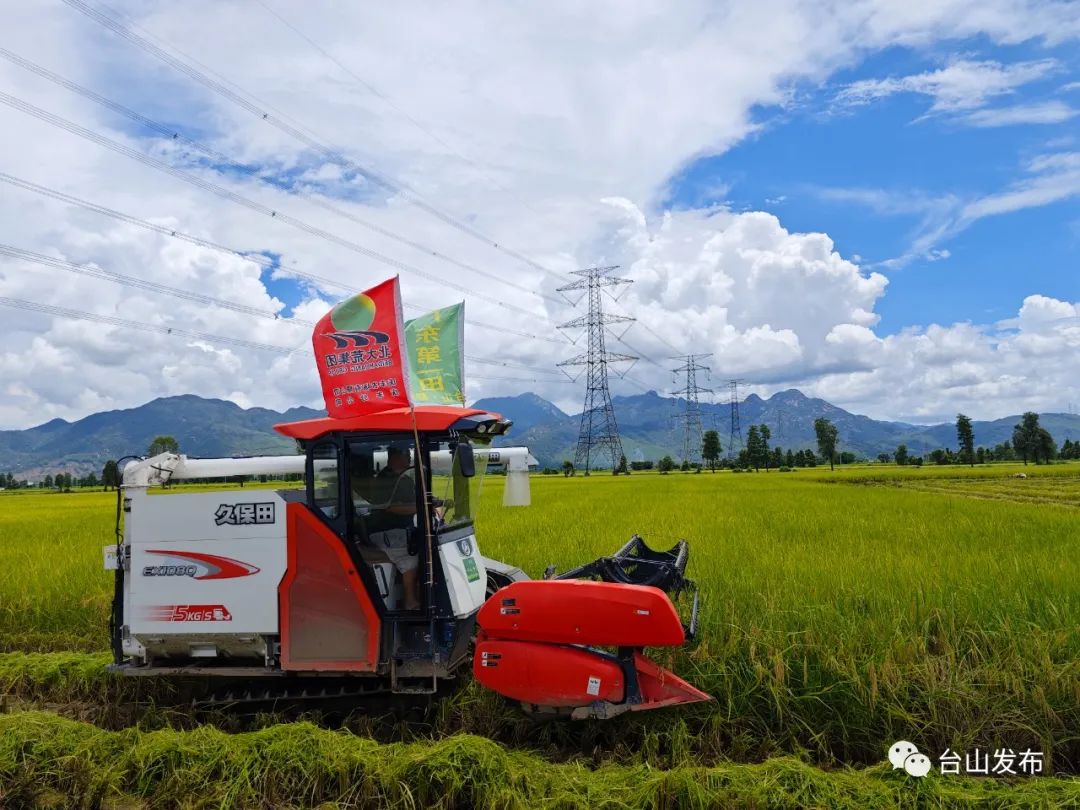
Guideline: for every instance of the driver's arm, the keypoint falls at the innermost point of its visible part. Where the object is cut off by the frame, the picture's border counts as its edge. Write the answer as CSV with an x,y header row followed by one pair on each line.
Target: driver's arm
x,y
403,503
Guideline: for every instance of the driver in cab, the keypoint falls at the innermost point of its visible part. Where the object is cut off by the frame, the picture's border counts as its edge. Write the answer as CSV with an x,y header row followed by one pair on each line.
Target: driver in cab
x,y
392,518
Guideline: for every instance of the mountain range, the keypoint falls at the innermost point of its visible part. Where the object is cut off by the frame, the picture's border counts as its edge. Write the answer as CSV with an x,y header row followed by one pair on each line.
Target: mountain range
x,y
216,428
203,427
646,426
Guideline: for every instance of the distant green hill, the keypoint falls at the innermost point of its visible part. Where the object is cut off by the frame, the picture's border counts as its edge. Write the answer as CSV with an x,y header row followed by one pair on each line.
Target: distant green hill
x,y
646,426
204,427
215,428
526,410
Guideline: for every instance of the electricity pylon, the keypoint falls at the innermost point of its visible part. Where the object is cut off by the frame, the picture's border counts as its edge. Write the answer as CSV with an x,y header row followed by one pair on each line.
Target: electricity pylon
x,y
693,429
599,432
736,428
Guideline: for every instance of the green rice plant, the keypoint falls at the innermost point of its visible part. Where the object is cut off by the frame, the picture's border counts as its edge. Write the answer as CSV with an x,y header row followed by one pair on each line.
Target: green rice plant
x,y
53,595
835,619
56,676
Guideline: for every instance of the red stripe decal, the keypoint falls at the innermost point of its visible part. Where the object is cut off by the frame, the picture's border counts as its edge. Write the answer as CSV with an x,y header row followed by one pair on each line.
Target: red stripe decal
x,y
217,567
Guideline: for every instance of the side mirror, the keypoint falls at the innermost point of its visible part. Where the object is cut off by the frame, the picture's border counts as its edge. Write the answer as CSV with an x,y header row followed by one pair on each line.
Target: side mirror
x,y
466,460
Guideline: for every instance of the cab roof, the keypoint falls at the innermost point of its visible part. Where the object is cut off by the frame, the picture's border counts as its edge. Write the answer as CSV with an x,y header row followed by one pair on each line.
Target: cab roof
x,y
434,418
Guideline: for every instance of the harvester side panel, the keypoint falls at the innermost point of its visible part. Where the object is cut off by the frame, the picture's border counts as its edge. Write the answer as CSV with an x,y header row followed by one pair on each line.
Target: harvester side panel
x,y
204,570
328,622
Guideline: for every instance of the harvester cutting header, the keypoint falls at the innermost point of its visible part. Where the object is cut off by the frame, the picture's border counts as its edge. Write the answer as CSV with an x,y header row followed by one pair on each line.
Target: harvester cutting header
x,y
370,579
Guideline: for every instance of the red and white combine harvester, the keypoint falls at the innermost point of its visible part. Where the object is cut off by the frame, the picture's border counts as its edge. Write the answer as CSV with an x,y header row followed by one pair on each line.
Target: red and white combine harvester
x,y
370,579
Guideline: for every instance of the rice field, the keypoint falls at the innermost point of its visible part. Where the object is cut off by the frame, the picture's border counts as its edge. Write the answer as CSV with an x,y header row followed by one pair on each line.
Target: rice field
x,y
841,612
1043,489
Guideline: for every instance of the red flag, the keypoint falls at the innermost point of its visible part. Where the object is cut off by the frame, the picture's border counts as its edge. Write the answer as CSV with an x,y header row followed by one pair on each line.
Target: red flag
x,y
360,349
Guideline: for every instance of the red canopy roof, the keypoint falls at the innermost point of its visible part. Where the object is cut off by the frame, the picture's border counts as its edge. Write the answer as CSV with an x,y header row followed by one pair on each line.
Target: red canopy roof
x,y
428,417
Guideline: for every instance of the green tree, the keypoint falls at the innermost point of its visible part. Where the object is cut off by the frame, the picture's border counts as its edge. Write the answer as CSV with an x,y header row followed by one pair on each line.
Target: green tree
x,y
827,436
110,475
766,434
755,447
1025,437
965,439
47,483
901,454
163,444
621,468
1045,448
711,449
568,468
666,465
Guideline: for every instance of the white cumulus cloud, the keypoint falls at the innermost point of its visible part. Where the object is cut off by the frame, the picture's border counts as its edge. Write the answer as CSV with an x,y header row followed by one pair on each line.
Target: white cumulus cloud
x,y
554,129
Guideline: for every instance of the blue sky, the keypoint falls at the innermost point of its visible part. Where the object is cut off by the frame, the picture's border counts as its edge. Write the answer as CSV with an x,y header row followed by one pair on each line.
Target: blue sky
x,y
817,163
790,189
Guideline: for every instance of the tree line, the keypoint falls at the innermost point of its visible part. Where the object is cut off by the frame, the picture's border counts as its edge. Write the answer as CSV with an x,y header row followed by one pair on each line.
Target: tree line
x,y
110,473
1030,442
758,454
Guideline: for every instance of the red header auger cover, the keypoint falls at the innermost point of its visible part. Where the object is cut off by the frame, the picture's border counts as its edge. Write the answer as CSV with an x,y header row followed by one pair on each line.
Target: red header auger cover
x,y
578,611
536,641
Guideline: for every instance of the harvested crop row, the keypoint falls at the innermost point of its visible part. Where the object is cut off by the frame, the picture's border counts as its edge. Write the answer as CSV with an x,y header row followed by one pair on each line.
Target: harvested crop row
x,y
854,726
300,765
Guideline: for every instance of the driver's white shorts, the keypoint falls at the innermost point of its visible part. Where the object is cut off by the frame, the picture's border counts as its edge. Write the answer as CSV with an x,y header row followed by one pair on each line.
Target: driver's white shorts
x,y
395,545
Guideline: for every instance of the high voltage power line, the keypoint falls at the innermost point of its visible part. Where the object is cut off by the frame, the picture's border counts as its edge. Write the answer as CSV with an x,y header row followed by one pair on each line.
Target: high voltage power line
x,y
199,298
136,283
239,199
281,122
388,101
225,161
82,315
257,258
371,89
64,312
295,130
228,162
232,196
250,103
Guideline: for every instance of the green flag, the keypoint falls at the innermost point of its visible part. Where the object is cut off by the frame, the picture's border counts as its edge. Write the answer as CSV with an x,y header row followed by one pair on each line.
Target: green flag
x,y
435,343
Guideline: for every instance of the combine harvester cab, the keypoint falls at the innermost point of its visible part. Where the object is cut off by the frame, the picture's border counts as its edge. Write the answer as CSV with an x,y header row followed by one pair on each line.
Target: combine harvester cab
x,y
370,579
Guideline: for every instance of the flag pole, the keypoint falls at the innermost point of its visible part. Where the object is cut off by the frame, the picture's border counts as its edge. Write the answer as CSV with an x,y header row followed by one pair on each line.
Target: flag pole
x,y
406,371
427,510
